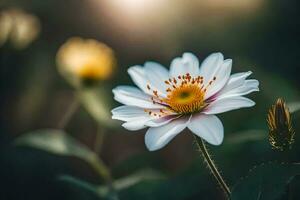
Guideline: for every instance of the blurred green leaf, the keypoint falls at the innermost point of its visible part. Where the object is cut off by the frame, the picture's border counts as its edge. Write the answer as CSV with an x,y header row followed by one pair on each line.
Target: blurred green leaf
x,y
80,189
246,136
265,182
135,163
118,185
178,188
284,88
98,103
141,175
59,143
83,185
293,106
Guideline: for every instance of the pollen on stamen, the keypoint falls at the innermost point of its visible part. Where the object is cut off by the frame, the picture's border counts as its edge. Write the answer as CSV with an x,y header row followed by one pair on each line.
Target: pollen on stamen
x,y
148,86
153,100
188,75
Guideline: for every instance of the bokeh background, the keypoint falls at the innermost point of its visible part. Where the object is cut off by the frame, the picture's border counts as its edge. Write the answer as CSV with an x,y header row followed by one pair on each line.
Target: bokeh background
x,y
259,35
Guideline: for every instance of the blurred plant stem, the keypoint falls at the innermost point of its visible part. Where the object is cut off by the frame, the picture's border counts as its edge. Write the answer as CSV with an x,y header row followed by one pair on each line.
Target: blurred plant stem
x,y
104,172
69,113
99,138
211,165
96,162
103,169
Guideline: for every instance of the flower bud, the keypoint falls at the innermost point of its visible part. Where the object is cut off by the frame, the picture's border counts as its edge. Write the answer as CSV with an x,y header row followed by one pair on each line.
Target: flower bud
x,y
6,23
85,61
19,27
281,133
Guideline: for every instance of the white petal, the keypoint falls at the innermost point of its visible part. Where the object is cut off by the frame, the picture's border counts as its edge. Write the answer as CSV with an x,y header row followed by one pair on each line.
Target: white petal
x,y
235,80
188,63
158,137
138,76
161,121
136,118
210,66
153,74
208,127
134,97
248,87
156,75
136,124
222,75
139,117
129,113
226,104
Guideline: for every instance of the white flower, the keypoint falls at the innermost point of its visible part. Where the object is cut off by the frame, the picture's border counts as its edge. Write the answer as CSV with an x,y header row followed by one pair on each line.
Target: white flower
x,y
187,96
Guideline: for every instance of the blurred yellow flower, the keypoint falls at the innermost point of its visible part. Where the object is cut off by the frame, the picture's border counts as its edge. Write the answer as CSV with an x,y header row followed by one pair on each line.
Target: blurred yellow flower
x,y
5,27
19,27
86,60
281,133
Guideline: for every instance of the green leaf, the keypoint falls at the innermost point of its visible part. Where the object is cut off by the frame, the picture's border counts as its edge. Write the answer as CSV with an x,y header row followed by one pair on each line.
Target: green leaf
x,y
293,106
141,175
103,191
283,87
246,136
265,182
176,188
59,143
98,103
81,189
83,185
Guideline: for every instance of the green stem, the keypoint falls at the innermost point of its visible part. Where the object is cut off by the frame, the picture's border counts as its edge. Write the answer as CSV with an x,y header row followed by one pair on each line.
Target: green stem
x,y
214,170
103,171
69,113
99,138
100,167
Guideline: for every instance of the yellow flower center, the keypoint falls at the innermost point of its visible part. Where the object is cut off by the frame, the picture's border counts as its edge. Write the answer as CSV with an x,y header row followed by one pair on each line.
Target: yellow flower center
x,y
188,98
185,95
